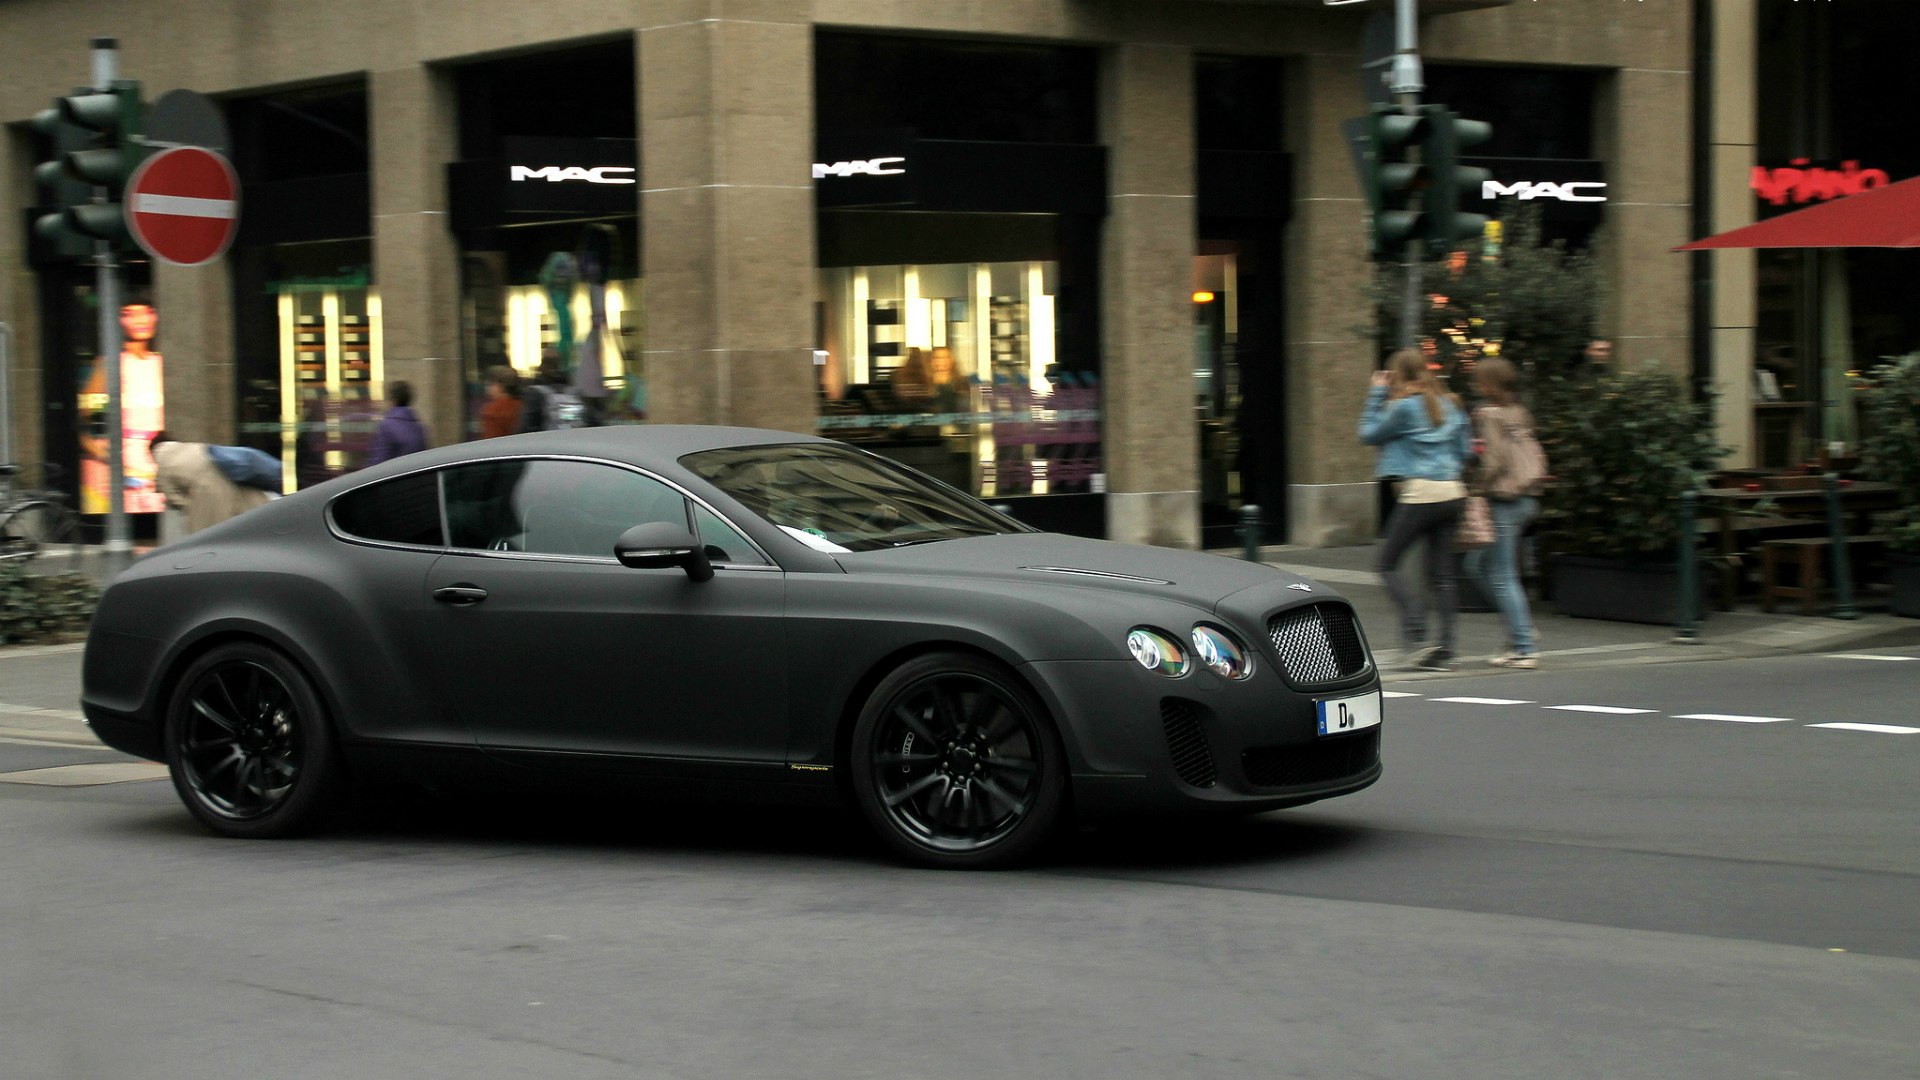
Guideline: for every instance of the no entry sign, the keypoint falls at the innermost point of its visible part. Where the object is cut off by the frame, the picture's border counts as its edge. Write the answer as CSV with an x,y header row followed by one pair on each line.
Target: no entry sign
x,y
183,205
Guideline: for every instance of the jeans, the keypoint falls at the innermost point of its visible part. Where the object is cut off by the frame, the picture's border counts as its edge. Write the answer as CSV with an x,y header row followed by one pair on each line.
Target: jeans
x,y
1497,568
1434,523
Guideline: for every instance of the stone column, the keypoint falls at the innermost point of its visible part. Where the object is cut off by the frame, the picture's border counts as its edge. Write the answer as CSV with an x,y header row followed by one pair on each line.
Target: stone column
x,y
195,305
1644,130
19,301
726,211
1732,155
416,262
1331,348
1150,437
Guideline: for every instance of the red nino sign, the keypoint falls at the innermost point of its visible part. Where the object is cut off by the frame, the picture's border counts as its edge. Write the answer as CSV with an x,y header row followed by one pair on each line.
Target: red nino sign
x,y
183,205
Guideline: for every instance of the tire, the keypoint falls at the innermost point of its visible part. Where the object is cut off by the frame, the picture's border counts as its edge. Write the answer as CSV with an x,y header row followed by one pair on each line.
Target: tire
x,y
992,787
248,746
38,527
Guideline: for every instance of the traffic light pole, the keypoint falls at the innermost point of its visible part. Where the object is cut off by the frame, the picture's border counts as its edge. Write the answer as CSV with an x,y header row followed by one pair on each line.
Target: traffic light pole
x,y
1405,84
106,288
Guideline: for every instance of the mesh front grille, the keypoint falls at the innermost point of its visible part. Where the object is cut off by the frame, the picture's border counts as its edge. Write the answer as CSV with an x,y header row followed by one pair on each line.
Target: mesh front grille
x,y
1318,644
1323,762
1186,743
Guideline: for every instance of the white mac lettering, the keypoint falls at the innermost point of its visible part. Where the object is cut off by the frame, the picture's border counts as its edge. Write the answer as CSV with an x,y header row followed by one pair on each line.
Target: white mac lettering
x,y
1545,189
553,174
870,167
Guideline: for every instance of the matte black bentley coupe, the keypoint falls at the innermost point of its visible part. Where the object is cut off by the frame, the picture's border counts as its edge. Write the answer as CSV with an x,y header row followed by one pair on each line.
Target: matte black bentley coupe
x,y
682,609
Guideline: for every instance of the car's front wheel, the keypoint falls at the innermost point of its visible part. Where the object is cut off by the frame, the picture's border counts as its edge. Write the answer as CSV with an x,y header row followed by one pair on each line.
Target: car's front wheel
x,y
247,744
956,765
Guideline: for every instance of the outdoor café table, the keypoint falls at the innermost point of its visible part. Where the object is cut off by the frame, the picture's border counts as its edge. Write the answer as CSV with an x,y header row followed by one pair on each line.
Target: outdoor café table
x,y
1858,500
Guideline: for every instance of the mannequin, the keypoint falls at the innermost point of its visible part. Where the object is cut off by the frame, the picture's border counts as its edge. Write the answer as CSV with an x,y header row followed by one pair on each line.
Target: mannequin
x,y
142,413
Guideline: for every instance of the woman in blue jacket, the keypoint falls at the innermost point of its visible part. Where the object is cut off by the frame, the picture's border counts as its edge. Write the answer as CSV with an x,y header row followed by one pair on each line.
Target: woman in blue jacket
x,y
1422,432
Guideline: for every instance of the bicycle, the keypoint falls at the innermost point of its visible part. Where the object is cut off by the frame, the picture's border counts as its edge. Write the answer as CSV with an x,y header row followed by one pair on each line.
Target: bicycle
x,y
33,522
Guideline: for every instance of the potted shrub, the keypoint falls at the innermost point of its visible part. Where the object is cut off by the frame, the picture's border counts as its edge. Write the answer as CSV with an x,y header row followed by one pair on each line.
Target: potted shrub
x,y
1890,452
1622,446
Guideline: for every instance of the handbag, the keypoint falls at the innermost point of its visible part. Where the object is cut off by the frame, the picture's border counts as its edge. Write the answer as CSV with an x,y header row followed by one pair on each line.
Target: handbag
x,y
1476,525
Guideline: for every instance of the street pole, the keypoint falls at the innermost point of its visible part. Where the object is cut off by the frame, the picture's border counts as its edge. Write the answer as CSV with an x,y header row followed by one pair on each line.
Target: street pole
x,y
6,394
1405,83
106,68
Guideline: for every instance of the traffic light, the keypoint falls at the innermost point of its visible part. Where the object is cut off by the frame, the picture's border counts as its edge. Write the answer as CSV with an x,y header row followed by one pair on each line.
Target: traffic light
x,y
1394,181
1443,137
96,145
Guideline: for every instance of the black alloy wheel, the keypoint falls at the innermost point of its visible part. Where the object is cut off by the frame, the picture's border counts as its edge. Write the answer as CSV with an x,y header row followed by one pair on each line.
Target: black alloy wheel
x,y
247,744
956,765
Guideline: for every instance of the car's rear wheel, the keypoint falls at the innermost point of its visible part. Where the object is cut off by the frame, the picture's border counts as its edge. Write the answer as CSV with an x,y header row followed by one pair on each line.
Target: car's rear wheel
x,y
247,744
956,765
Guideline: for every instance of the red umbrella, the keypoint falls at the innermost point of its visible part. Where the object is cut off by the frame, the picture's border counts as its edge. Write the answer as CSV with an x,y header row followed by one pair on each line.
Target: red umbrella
x,y
1882,217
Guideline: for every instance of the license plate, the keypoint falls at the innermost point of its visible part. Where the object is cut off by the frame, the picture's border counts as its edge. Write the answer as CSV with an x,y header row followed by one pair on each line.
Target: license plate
x,y
1341,715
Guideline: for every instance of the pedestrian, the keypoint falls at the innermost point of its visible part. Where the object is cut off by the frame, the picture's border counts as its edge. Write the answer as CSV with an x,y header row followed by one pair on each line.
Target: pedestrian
x,y
549,402
400,431
1512,472
501,413
1421,431
197,487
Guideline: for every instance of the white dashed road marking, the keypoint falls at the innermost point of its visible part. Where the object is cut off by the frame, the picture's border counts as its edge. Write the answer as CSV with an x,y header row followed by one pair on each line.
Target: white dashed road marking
x,y
1396,693
1610,710
1483,701
1884,729
1735,719
1868,656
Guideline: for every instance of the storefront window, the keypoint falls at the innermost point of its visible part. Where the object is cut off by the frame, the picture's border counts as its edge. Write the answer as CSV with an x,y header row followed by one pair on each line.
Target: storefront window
x,y
332,375
312,366
568,294
952,368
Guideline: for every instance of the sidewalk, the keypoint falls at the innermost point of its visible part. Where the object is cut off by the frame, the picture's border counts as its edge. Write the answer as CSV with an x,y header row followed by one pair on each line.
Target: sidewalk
x,y
1568,642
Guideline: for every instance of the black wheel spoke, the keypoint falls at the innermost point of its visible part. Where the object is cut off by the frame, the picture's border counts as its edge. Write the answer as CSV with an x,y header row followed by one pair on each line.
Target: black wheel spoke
x,y
915,724
231,727
897,797
1003,726
1017,807
884,760
1013,764
233,706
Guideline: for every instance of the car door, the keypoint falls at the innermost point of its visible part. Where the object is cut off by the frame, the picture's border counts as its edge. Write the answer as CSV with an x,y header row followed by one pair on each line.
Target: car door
x,y
547,645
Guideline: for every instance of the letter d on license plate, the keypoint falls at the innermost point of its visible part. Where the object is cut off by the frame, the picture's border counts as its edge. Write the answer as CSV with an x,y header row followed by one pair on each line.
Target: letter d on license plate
x,y
1341,715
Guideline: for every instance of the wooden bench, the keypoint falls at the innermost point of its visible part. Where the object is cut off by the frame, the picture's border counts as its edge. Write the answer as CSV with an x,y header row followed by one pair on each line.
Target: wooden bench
x,y
1809,555
1728,555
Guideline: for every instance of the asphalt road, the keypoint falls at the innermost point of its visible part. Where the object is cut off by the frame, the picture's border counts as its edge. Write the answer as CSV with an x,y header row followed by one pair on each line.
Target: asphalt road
x,y
1530,892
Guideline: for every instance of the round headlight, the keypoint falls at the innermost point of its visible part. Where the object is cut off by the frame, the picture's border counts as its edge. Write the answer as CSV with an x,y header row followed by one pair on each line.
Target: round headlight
x,y
1220,653
1157,651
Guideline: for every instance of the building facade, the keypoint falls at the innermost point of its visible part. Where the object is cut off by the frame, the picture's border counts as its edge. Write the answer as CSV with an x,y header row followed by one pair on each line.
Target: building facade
x,y
1103,260
1791,94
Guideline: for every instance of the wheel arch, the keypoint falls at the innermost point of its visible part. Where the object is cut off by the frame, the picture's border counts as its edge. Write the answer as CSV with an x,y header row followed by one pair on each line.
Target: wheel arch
x,y
238,631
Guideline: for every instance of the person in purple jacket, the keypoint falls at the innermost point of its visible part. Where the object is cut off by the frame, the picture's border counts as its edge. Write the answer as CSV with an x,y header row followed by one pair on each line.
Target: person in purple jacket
x,y
400,431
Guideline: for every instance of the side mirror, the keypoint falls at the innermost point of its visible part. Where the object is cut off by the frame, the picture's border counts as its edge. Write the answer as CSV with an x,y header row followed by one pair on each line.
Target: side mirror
x,y
659,544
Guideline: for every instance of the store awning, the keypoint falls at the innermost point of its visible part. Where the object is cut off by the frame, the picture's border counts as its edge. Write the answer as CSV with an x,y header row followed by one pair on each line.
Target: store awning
x,y
1886,217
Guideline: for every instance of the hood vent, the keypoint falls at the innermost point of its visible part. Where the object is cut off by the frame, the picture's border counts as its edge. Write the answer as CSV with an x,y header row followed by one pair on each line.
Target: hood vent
x,y
1105,575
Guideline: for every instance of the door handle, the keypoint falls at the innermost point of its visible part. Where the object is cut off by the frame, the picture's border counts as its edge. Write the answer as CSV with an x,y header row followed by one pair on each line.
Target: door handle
x,y
460,595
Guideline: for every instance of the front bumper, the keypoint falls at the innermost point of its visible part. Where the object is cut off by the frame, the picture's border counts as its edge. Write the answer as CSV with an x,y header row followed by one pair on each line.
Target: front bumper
x,y
1139,742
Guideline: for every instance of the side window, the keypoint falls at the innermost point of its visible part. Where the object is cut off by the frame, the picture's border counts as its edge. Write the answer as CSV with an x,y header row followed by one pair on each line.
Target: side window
x,y
553,507
723,543
400,511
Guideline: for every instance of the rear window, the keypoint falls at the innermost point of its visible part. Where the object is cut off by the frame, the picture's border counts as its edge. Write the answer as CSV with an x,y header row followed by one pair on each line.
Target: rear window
x,y
404,510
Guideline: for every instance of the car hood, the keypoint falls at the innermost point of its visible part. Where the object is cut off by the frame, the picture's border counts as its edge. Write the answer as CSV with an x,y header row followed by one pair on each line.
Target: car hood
x,y
1037,560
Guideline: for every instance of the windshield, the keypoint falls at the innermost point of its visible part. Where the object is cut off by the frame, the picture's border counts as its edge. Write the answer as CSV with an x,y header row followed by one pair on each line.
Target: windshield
x,y
837,499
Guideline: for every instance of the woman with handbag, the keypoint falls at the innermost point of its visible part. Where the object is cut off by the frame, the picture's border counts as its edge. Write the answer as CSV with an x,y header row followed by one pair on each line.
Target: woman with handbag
x,y
1421,431
1512,473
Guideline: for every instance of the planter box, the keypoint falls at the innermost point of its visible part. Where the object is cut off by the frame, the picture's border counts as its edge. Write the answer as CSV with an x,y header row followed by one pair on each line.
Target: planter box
x,y
1590,588
1903,574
